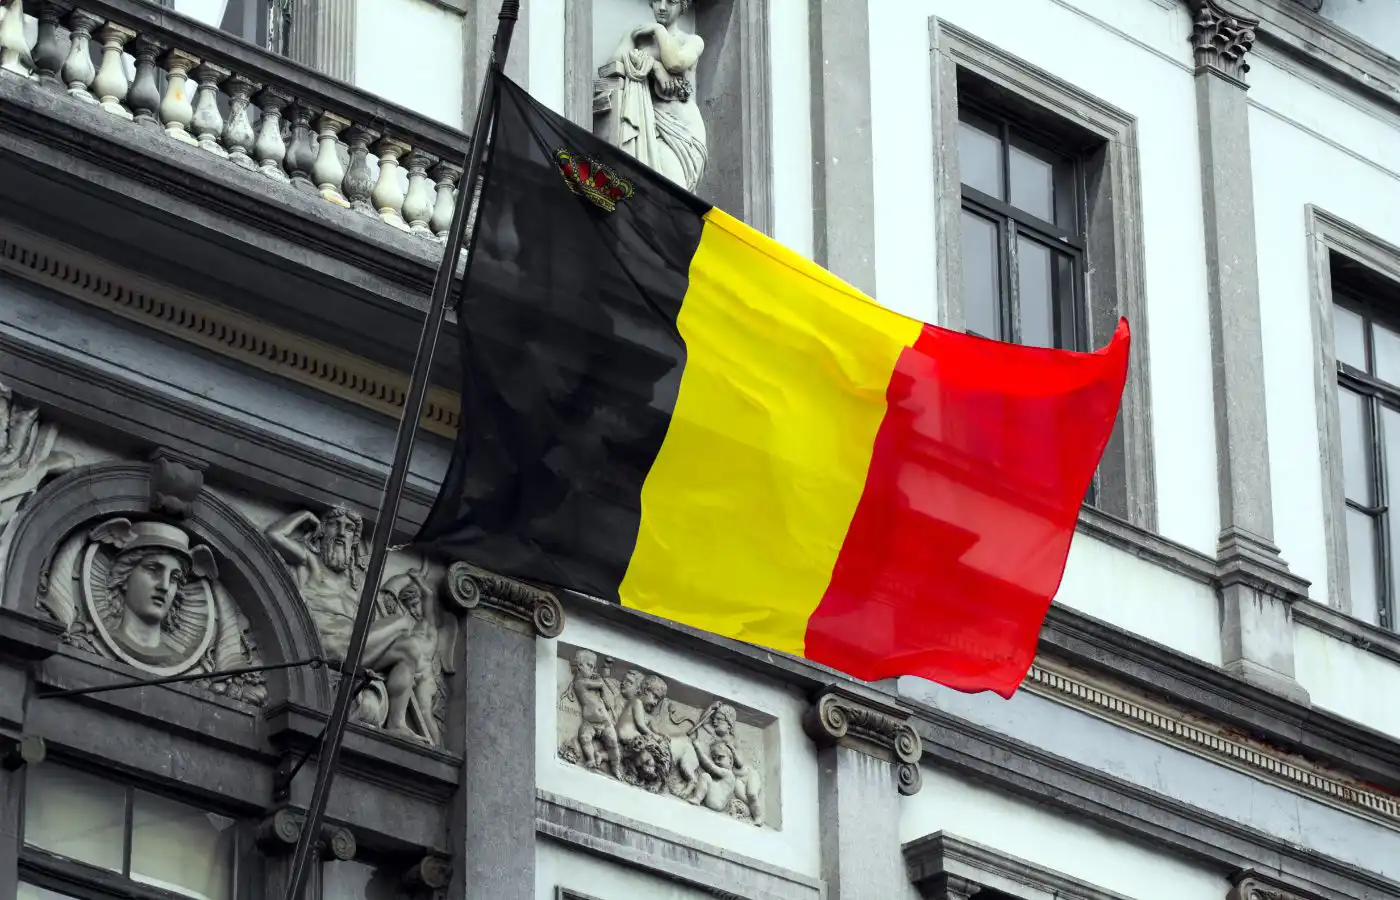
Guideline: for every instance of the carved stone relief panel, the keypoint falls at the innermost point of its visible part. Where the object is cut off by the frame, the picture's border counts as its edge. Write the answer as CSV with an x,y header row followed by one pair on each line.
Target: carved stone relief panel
x,y
412,643
139,589
621,721
27,453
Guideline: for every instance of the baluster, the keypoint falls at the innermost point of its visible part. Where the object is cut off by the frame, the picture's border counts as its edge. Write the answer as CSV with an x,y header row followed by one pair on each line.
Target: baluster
x,y
78,71
418,205
144,98
176,110
328,171
388,193
446,175
238,133
110,84
14,49
48,52
271,150
359,181
208,123
302,153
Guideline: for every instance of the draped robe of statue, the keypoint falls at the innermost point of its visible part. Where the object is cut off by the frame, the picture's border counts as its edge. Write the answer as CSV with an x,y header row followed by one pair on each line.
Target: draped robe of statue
x,y
659,119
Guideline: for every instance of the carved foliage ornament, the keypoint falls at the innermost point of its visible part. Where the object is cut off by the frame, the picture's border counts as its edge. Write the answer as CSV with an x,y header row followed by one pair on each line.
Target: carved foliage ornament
x,y
628,729
836,718
1221,38
27,454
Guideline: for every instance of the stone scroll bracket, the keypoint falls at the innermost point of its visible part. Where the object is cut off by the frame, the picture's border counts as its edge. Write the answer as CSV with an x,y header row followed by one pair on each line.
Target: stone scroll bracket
x,y
840,718
513,604
1247,884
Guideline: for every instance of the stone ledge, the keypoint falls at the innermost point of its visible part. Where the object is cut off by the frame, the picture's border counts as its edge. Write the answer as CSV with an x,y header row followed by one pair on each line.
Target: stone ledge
x,y
667,854
942,856
1147,546
1339,625
1135,813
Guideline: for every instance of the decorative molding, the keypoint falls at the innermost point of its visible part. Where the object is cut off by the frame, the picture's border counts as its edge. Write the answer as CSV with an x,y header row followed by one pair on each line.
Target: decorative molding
x,y
618,720
1212,741
840,717
666,854
1336,624
224,331
942,865
1221,38
470,586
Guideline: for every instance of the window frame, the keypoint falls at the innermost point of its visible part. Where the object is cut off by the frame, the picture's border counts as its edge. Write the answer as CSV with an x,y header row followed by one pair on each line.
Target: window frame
x,y
83,881
1013,222
1331,236
1110,278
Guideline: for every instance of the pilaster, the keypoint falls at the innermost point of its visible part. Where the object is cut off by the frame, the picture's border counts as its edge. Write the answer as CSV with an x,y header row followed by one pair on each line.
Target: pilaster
x,y
843,153
24,640
323,36
493,838
478,34
1257,590
868,757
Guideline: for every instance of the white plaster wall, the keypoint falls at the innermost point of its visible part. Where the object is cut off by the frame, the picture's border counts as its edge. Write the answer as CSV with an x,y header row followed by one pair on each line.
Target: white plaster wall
x,y
1347,680
547,52
1069,846
1375,21
410,52
795,847
1141,597
789,59
1309,146
558,866
1133,54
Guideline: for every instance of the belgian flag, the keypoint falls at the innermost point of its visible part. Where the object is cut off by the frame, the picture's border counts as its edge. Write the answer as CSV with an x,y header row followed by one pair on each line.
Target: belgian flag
x,y
664,408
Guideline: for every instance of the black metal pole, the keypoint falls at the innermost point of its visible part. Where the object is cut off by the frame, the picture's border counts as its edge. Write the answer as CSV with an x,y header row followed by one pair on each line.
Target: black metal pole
x,y
403,451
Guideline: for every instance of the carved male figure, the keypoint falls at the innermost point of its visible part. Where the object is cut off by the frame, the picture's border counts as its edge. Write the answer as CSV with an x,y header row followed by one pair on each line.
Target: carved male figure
x,y
659,121
415,659
595,715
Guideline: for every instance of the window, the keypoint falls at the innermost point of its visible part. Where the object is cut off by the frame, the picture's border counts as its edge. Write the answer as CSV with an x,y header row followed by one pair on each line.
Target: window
x,y
1039,229
1022,242
80,829
1366,334
1356,335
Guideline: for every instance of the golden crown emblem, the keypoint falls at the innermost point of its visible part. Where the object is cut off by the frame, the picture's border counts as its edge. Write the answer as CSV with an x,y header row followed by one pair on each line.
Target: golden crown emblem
x,y
592,180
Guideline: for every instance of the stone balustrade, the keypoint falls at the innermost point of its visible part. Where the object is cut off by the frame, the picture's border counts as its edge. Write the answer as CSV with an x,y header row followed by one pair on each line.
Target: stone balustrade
x,y
183,81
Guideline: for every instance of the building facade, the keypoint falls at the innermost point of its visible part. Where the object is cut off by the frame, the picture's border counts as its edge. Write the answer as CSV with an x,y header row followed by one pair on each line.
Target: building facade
x,y
219,222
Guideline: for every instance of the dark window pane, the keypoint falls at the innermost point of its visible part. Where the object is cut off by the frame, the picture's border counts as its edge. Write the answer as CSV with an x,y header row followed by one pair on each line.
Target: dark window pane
x,y
1066,334
1349,337
1032,184
1036,281
981,276
1386,348
75,814
1356,446
1361,558
979,158
181,848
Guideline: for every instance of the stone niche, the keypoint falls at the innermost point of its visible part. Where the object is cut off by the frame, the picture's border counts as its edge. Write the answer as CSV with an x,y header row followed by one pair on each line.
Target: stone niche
x,y
727,88
623,721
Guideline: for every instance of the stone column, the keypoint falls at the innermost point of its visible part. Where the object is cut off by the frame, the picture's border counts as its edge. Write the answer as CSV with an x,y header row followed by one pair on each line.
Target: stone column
x,y
478,34
843,153
1257,590
24,640
868,756
493,834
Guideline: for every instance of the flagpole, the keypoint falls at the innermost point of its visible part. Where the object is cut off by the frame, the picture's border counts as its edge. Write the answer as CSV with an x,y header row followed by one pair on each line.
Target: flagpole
x,y
403,450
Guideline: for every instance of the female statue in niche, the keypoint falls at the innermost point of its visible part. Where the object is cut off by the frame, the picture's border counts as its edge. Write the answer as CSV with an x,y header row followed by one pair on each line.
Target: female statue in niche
x,y
658,118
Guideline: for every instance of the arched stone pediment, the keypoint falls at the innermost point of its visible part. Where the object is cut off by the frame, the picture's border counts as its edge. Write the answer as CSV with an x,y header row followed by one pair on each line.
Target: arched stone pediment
x,y
143,564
